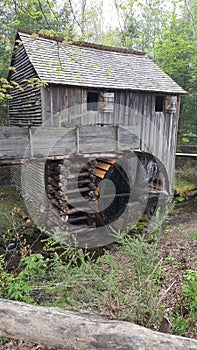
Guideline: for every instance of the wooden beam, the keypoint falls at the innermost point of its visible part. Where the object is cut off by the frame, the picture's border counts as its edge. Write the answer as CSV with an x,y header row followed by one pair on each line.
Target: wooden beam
x,y
186,155
72,330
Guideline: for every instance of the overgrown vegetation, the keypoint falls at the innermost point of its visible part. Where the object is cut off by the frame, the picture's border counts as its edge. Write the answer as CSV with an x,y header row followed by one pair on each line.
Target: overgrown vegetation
x,y
185,173
185,319
127,280
122,284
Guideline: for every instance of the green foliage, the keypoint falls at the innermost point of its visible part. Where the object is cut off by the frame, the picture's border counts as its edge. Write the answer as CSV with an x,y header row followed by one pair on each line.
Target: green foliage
x,y
180,323
131,290
186,319
189,138
179,199
72,277
36,16
193,236
19,287
190,289
5,278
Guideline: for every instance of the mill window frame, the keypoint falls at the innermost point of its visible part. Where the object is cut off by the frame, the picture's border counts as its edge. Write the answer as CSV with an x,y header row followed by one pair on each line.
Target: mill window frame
x,y
92,100
159,103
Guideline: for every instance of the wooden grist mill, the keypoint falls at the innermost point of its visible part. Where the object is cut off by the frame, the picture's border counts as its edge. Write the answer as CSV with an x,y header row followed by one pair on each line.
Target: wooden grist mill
x,y
92,136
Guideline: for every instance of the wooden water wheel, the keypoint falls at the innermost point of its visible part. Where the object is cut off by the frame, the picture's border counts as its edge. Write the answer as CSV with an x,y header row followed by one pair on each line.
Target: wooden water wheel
x,y
93,200
88,201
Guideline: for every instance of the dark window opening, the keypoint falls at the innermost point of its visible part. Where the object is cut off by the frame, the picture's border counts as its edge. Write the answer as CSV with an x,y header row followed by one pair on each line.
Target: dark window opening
x,y
159,103
92,101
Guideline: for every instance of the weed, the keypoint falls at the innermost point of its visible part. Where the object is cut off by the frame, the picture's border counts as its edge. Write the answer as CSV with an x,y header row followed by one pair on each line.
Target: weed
x,y
190,289
158,222
173,260
186,320
179,324
170,258
5,278
4,340
182,230
179,199
19,287
124,284
193,236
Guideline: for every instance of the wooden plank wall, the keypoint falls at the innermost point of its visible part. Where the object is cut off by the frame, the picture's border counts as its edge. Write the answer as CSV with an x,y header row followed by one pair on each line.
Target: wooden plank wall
x,y
61,104
64,105
158,137
13,142
25,104
15,172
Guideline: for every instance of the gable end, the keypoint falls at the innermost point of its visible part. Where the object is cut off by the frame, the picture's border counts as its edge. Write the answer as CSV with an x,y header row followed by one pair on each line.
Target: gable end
x,y
25,102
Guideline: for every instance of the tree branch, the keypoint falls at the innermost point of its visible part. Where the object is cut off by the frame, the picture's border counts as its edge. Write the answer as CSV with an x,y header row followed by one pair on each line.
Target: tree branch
x,y
74,16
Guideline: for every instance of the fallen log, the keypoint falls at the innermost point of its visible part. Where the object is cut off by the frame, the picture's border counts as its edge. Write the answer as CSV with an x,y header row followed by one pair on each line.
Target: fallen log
x,y
72,330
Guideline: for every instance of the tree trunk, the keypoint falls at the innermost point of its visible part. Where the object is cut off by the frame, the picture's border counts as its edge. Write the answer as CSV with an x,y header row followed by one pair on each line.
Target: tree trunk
x,y
72,330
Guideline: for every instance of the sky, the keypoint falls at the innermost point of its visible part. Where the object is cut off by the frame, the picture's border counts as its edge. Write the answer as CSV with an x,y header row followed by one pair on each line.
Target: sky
x,y
110,18
110,14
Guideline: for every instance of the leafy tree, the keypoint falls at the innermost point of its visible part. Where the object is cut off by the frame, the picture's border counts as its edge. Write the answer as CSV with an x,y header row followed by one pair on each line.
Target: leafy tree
x,y
176,54
166,31
33,15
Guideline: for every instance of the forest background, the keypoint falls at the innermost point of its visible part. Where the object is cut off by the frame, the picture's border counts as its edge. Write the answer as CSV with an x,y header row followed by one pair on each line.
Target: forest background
x,y
165,30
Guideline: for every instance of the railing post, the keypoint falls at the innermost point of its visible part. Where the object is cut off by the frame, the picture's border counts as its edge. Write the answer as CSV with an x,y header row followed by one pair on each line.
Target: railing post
x,y
77,139
117,137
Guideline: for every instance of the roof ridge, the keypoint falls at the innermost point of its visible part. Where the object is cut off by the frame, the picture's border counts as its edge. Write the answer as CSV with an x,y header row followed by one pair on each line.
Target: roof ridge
x,y
85,44
108,48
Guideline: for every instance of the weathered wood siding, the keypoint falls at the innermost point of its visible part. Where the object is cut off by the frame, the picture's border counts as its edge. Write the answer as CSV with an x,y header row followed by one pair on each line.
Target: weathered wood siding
x,y
62,104
25,104
159,135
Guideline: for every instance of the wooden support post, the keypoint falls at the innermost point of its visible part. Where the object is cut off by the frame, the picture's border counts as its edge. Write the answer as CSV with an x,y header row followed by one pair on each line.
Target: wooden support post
x,y
77,139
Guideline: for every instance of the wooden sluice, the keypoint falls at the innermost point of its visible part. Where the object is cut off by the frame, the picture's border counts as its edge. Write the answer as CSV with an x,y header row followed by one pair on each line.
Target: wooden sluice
x,y
20,144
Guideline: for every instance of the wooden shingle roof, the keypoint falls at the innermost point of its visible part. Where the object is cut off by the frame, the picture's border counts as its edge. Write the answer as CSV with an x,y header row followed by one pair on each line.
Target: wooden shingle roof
x,y
95,66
